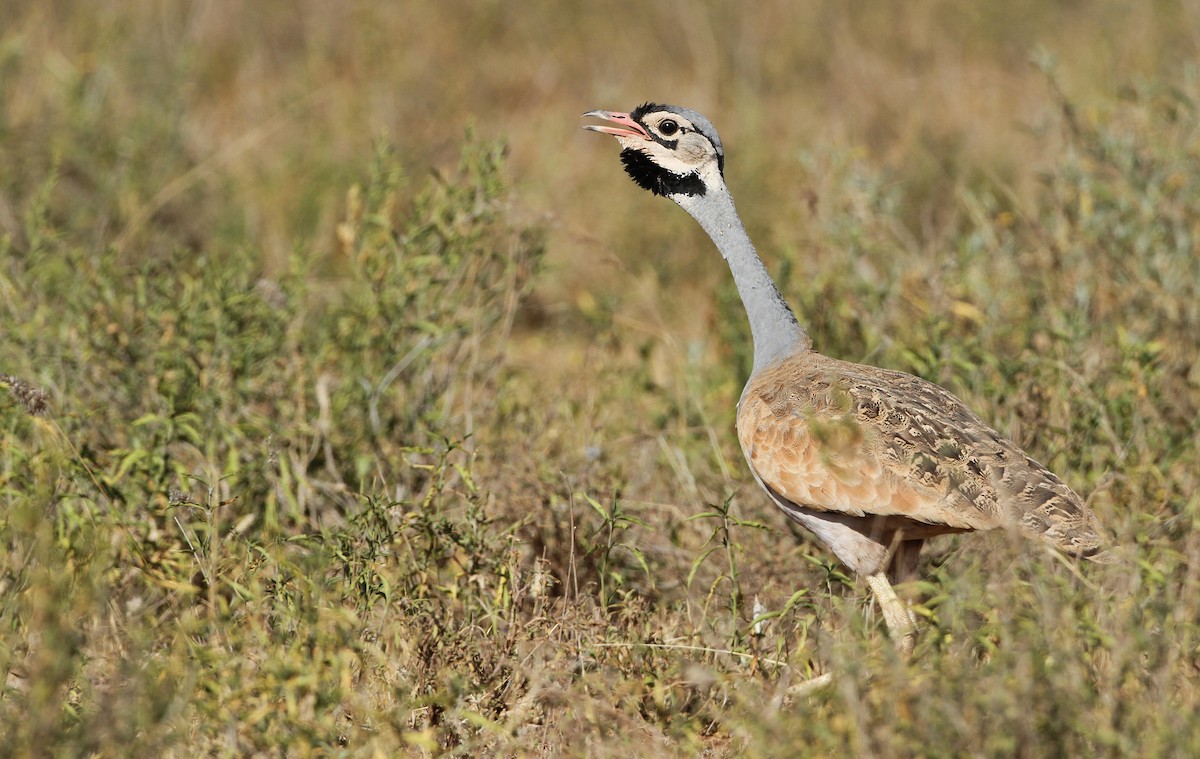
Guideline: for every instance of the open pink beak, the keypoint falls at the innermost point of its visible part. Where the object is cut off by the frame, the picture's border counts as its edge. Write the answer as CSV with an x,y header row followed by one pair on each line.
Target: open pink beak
x,y
628,127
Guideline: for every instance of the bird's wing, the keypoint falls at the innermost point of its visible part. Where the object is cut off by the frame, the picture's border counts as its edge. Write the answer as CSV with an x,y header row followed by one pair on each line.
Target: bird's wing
x,y
841,437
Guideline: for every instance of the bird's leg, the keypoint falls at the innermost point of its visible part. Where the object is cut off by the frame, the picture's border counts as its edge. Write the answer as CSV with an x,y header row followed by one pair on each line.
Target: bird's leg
x,y
905,555
901,622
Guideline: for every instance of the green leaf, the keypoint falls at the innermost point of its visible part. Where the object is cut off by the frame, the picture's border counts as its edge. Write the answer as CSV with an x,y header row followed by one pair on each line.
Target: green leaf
x,y
696,565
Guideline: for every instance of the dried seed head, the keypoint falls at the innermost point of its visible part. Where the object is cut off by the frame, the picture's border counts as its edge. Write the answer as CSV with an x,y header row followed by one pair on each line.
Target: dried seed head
x,y
33,399
177,497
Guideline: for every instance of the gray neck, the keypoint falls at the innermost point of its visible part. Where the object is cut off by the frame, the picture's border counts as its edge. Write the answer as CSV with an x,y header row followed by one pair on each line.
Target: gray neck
x,y
773,326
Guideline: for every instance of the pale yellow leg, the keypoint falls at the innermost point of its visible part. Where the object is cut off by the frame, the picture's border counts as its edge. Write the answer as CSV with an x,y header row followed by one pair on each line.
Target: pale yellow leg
x,y
901,622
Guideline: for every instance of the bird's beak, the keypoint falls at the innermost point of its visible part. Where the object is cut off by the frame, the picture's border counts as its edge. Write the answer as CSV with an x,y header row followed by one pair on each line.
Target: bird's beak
x,y
628,128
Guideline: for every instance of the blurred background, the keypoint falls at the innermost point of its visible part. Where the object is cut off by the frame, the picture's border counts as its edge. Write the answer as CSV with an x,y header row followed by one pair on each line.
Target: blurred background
x,y
274,107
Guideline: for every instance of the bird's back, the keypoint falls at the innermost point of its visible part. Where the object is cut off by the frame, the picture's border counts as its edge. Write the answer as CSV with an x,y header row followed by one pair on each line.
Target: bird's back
x,y
859,441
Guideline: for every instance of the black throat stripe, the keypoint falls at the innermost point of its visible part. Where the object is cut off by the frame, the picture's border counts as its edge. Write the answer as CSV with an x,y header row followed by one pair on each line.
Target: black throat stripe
x,y
650,176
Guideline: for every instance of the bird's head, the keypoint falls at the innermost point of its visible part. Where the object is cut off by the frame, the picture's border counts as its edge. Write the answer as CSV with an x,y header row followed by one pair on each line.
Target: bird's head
x,y
666,149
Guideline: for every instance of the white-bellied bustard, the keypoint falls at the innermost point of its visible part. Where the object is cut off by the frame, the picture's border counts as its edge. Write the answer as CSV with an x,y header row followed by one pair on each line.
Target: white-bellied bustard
x,y
871,461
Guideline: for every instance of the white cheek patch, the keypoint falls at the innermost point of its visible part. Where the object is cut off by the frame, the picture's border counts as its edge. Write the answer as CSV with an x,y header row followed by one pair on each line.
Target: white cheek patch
x,y
685,158
712,175
669,160
692,152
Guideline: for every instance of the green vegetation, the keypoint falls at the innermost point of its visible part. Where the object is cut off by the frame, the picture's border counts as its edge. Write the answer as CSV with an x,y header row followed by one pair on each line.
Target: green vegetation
x,y
352,404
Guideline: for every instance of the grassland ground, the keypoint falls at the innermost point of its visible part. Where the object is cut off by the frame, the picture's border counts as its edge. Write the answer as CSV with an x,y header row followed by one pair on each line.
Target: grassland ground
x,y
351,405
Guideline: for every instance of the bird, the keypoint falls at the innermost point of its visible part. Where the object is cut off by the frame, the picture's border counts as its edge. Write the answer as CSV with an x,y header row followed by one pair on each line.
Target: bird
x,y
872,462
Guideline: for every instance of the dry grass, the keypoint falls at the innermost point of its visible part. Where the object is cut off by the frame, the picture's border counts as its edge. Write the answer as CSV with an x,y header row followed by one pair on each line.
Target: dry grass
x,y
308,449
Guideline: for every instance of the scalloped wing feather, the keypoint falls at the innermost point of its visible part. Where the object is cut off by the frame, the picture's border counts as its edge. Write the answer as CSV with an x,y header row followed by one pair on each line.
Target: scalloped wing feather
x,y
857,440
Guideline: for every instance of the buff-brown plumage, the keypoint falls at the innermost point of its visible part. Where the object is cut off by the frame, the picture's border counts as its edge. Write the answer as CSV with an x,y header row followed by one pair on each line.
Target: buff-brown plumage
x,y
899,453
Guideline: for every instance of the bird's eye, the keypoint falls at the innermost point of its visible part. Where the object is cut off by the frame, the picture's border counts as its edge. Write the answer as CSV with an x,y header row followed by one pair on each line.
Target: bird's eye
x,y
668,127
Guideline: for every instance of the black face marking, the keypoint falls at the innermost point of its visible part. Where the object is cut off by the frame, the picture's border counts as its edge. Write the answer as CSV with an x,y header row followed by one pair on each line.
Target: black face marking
x,y
650,176
700,125
668,128
643,109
